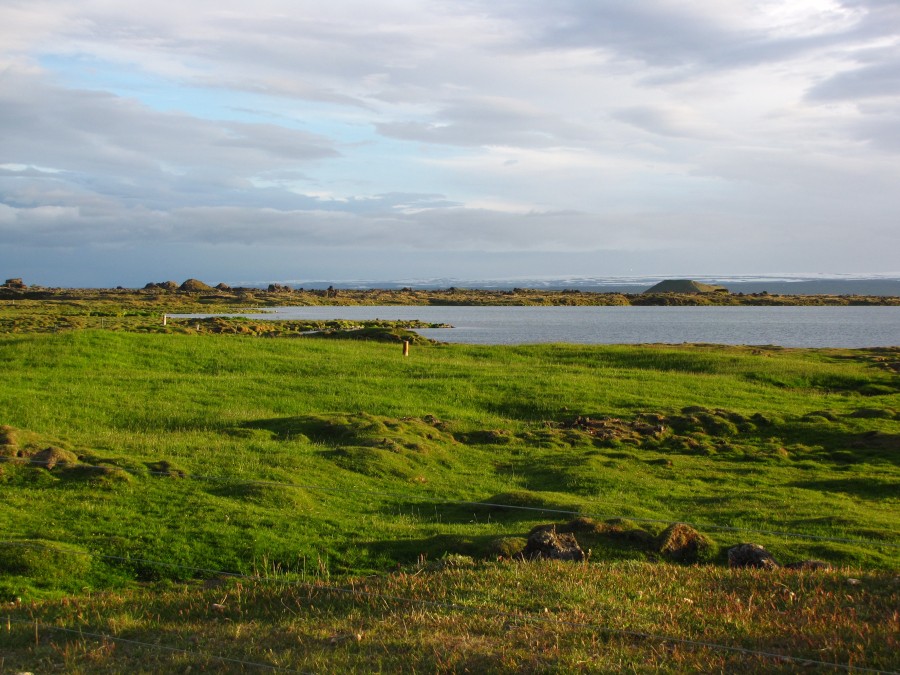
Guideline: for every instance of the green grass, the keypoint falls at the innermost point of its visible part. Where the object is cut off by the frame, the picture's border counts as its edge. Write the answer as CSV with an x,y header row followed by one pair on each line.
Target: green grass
x,y
330,459
352,416
491,617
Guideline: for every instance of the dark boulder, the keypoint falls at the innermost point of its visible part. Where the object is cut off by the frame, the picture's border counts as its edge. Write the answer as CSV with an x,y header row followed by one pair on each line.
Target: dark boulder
x,y
751,555
546,543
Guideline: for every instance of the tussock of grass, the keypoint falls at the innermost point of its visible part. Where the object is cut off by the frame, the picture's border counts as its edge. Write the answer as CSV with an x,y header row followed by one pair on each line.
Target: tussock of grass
x,y
35,566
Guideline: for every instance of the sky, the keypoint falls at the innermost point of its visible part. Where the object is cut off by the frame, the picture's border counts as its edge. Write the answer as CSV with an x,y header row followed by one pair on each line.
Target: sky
x,y
283,140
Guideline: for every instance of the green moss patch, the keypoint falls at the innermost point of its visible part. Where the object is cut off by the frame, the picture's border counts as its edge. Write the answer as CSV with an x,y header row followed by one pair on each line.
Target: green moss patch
x,y
44,563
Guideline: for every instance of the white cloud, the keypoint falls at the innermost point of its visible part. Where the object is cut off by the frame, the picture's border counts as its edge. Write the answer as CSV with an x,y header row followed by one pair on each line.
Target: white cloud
x,y
473,125
678,121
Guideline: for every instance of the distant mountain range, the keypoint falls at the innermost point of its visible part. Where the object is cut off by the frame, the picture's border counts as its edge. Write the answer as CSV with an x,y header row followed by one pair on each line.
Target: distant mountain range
x,y
782,284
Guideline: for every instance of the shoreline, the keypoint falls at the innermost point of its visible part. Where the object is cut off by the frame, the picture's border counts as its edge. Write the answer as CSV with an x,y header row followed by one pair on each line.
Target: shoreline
x,y
285,296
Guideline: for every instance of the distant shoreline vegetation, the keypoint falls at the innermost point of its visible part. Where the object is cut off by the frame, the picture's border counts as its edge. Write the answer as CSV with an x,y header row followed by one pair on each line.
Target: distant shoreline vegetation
x,y
195,293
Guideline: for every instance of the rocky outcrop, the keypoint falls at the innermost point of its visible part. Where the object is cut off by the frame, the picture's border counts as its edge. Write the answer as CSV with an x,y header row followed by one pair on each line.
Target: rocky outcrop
x,y
545,543
161,285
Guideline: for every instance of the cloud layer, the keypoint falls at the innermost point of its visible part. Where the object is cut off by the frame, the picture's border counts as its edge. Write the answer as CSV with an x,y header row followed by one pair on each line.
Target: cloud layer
x,y
355,137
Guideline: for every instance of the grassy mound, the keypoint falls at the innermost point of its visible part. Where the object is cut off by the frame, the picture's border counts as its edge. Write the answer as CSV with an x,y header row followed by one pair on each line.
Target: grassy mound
x,y
683,286
29,565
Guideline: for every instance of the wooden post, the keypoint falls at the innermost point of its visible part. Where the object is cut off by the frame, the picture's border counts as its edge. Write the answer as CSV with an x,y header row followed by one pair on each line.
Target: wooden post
x,y
406,348
165,319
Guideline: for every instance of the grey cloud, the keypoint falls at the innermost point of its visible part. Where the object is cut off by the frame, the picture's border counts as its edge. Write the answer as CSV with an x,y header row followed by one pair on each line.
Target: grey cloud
x,y
383,227
666,121
284,175
23,171
29,190
93,194
488,121
41,124
269,140
313,44
881,129
404,202
275,49
114,156
683,39
807,196
641,29
59,211
563,82
873,80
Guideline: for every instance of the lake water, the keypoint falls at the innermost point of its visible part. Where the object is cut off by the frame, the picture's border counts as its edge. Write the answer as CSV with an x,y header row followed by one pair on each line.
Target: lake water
x,y
785,326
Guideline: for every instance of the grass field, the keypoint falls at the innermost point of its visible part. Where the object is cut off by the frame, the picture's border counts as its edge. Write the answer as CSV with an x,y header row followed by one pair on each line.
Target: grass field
x,y
137,466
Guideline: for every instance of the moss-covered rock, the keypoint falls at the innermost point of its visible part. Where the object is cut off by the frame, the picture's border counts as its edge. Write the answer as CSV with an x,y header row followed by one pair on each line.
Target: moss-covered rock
x,y
195,286
682,543
53,456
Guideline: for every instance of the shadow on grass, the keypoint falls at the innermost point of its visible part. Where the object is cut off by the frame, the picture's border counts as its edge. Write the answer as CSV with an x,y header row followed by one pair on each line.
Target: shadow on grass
x,y
348,428
505,507
839,445
436,548
559,472
865,488
291,428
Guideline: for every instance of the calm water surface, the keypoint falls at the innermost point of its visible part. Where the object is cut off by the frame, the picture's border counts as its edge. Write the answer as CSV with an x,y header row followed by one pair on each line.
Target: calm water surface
x,y
785,326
